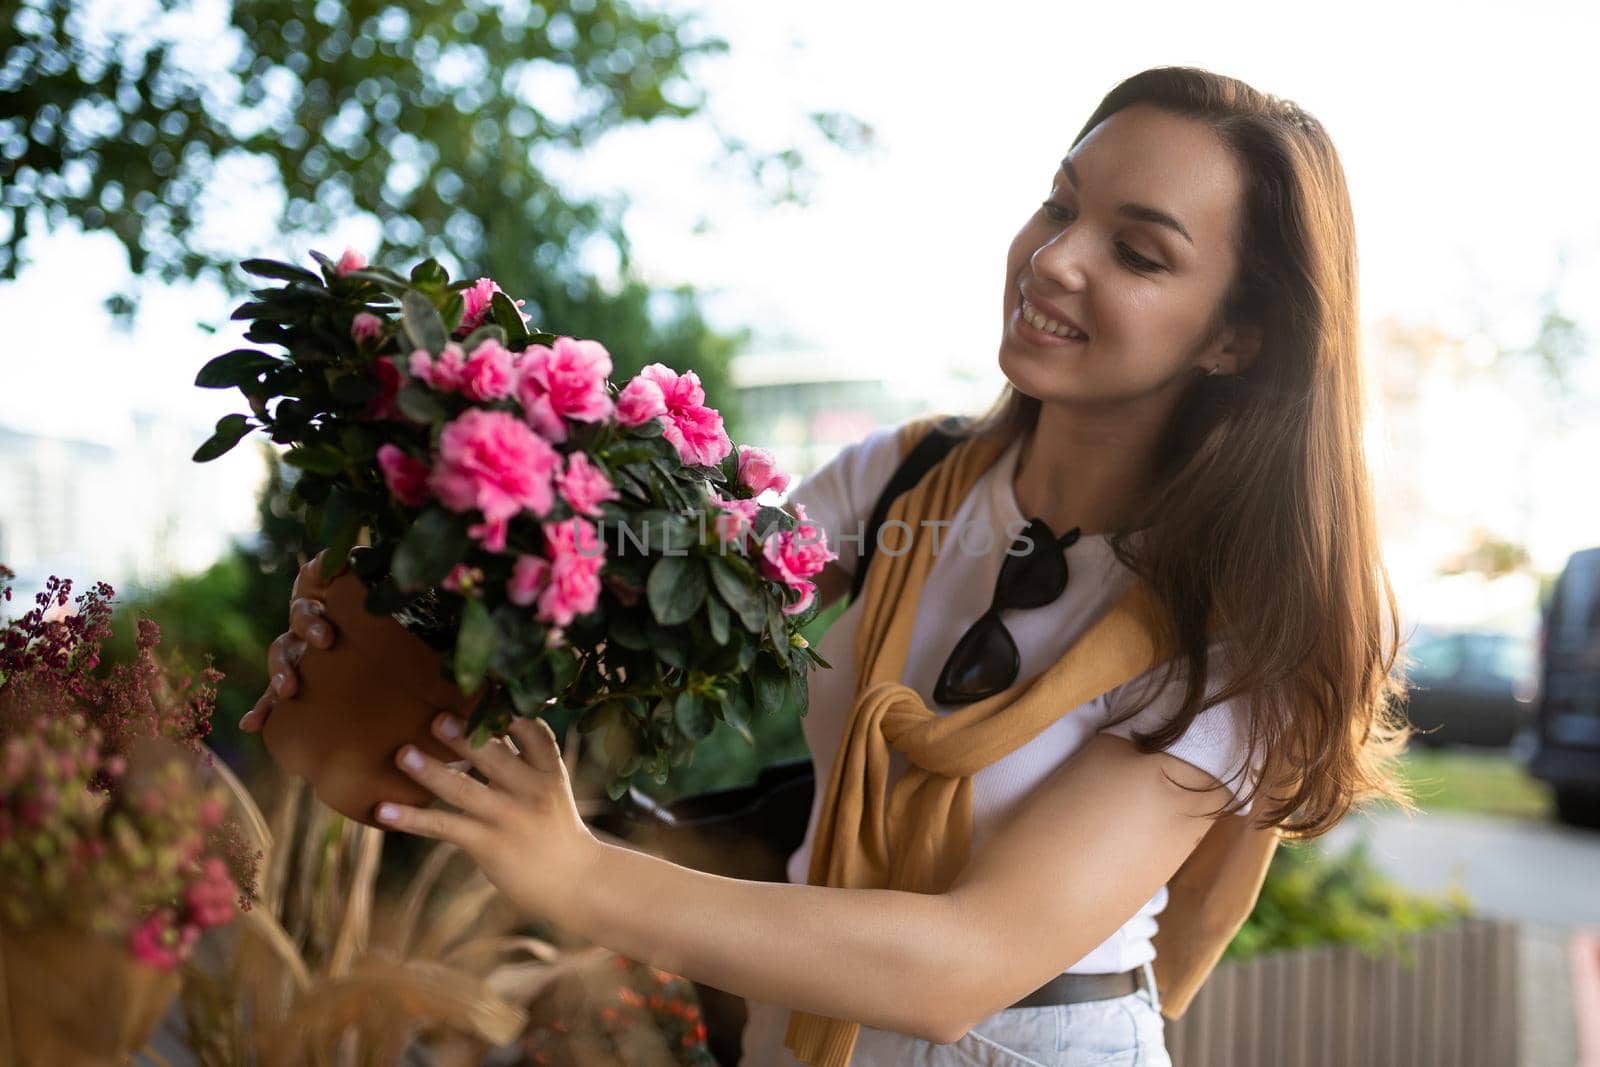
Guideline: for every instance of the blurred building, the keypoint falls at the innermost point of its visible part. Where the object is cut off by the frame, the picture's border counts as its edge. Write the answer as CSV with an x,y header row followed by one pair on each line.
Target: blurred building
x,y
130,511
805,405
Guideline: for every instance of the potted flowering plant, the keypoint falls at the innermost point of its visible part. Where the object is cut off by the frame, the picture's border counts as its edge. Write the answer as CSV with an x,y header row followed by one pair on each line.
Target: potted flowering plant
x,y
115,852
539,540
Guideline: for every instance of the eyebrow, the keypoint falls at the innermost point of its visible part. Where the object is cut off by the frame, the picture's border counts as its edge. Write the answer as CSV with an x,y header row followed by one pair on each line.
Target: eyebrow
x,y
1142,212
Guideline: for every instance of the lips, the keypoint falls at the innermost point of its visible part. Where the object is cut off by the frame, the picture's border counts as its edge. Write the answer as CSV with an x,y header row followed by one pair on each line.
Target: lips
x,y
1051,319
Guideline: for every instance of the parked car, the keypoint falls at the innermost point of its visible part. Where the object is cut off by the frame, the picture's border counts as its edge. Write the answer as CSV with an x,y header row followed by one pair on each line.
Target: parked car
x,y
1469,687
1567,740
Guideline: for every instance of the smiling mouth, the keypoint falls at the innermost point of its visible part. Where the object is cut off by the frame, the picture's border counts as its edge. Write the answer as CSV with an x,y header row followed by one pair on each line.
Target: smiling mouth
x,y
1040,321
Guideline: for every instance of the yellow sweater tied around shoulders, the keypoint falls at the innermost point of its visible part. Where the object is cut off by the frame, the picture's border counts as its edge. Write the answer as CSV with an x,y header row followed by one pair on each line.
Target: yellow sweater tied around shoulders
x,y
917,837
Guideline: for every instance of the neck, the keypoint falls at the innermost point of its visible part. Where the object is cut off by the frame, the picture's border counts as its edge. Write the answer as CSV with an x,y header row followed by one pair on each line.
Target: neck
x,y
1087,468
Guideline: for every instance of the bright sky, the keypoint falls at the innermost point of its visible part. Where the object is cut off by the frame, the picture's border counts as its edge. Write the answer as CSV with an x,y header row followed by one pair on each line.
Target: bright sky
x,y
1461,126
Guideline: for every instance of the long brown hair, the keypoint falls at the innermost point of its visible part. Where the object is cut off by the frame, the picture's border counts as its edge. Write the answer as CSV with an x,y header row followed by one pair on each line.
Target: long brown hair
x,y
1261,529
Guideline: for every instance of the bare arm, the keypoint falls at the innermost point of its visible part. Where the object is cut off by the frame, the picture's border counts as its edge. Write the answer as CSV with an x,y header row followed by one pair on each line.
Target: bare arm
x,y
1075,861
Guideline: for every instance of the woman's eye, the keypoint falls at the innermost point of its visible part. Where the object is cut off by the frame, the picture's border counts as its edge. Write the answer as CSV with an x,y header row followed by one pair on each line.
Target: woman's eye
x,y
1136,261
1055,212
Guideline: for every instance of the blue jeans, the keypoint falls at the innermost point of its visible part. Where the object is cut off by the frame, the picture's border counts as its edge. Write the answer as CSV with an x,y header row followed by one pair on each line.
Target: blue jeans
x,y
1121,1032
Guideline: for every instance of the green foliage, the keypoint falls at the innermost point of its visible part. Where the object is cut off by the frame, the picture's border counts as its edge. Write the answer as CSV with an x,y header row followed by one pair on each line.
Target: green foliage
x,y
1313,898
439,120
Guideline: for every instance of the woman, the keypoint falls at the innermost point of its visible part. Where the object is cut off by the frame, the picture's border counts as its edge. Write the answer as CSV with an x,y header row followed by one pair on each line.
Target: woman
x,y
1184,410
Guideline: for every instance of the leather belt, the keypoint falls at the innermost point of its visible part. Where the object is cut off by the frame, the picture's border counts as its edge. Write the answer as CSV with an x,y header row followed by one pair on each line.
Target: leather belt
x,y
1069,988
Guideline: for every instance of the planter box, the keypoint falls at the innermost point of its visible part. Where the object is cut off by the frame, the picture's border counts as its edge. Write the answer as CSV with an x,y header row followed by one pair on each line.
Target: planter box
x,y
1445,997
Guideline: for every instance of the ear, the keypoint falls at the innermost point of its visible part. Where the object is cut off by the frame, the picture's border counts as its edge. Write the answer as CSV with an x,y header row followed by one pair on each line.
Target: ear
x,y
1234,349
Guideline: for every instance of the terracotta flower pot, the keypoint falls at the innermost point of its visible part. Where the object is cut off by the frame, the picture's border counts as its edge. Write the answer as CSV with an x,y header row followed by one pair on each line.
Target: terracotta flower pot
x,y
376,689
74,997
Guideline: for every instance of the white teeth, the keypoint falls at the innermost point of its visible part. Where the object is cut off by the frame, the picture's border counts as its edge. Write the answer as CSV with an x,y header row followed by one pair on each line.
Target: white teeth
x,y
1039,322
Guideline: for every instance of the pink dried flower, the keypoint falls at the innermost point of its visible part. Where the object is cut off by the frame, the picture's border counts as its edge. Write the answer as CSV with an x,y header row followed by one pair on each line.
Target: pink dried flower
x,y
584,486
758,471
406,476
492,461
158,942
210,898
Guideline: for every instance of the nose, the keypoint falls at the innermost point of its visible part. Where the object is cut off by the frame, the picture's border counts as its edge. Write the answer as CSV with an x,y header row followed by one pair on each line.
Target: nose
x,y
1060,262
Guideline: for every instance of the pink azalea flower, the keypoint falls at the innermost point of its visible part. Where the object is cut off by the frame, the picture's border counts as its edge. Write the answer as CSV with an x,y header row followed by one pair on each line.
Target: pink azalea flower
x,y
698,435
584,486
383,405
492,461
351,260
640,401
564,381
475,303
694,429
406,477
573,584
490,372
758,471
365,327
737,519
528,578
446,374
793,557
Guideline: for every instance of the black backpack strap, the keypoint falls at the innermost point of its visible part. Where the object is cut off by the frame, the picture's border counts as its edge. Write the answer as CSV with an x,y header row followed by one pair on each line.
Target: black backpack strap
x,y
919,461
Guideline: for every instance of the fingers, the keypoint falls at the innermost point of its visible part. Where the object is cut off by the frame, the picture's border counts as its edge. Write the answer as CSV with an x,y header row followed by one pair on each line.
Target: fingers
x,y
256,717
497,762
539,748
309,581
283,655
430,822
308,622
454,788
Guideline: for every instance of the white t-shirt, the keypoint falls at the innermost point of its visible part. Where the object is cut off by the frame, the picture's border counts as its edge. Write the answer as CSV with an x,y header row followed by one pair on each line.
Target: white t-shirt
x,y
839,497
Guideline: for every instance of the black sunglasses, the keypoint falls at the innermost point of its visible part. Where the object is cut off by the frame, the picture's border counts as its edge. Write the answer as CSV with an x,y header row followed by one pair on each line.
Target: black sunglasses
x,y
985,661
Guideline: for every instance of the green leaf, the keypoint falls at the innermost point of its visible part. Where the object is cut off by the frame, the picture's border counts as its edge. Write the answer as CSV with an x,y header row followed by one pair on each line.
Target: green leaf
x,y
474,645
242,366
746,602
482,334
422,322
604,715
776,631
625,631
505,313
692,715
230,430
355,390
717,616
341,525
676,588
434,544
319,458
429,272
418,403
271,268
769,685
736,712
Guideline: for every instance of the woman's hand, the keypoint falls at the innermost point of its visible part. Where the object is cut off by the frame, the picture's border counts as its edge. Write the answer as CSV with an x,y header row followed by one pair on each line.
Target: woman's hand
x,y
307,627
522,827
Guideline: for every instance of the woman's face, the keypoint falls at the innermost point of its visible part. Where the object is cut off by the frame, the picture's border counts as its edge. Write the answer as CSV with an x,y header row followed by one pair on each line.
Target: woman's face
x,y
1135,248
